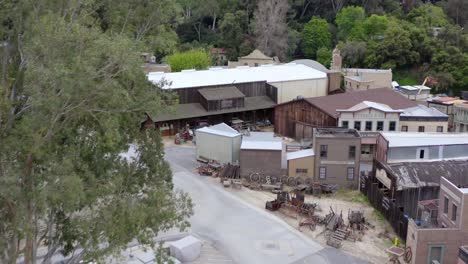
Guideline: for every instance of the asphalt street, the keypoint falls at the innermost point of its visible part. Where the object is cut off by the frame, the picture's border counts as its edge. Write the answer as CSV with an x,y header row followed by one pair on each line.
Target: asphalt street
x,y
245,233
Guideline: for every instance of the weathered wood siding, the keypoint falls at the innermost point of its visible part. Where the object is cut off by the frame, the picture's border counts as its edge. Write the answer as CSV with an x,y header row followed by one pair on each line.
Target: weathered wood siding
x,y
191,95
296,119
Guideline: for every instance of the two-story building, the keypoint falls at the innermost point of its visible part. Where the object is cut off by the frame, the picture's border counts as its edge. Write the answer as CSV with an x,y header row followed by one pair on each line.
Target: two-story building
x,y
446,105
337,156
421,118
460,119
369,118
441,227
407,169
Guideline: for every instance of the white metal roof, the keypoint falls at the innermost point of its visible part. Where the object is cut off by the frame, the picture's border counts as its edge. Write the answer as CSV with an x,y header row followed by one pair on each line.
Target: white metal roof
x,y
422,110
220,129
413,139
368,104
415,87
268,73
300,154
262,145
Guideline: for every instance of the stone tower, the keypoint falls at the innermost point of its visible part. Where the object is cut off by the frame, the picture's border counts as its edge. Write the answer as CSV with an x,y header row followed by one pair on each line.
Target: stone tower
x,y
336,60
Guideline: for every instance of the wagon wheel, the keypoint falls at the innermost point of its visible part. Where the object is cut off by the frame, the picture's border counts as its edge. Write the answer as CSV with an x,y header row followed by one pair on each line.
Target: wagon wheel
x,y
408,255
274,179
284,179
308,181
298,181
291,181
254,177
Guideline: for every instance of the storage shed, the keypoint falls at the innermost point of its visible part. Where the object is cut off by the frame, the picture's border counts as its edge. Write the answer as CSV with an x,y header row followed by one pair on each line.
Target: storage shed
x,y
261,153
301,163
219,142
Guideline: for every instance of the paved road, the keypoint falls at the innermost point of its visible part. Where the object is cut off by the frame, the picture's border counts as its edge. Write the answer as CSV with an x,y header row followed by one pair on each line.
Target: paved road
x,y
246,233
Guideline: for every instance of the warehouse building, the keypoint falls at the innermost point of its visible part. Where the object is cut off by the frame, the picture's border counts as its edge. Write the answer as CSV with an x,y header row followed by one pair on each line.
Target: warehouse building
x,y
219,142
261,153
221,95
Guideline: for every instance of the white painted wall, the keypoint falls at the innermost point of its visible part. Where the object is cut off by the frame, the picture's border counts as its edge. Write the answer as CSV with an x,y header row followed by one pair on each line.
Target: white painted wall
x,y
370,115
216,147
290,90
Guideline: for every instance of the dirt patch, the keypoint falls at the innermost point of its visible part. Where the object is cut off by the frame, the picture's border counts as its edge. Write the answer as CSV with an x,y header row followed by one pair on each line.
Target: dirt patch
x,y
371,247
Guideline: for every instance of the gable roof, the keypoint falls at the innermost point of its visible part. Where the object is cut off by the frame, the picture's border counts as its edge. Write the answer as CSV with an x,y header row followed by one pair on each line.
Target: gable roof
x,y
369,104
423,111
329,104
220,129
257,55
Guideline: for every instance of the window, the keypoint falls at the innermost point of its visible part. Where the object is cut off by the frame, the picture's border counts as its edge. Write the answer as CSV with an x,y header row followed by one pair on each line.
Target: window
x,y
421,153
454,212
357,125
352,152
392,126
301,171
446,205
440,129
435,253
379,125
345,124
323,151
350,174
420,128
368,125
323,172
404,128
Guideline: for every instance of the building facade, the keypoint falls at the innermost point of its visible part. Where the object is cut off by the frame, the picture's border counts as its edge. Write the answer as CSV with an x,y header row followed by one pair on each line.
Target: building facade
x,y
423,119
296,119
460,119
301,163
261,153
446,105
439,232
219,142
221,95
337,156
366,79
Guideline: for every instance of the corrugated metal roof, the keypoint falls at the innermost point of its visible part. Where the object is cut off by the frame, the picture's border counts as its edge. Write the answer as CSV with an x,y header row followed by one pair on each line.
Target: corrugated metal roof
x,y
226,92
270,74
413,139
300,154
420,174
329,104
220,129
422,111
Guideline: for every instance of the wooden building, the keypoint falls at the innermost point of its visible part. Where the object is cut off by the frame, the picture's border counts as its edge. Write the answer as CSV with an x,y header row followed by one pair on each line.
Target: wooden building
x,y
221,95
298,118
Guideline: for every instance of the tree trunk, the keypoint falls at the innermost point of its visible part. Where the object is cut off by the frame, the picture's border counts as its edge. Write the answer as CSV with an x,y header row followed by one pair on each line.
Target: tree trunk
x,y
28,188
213,27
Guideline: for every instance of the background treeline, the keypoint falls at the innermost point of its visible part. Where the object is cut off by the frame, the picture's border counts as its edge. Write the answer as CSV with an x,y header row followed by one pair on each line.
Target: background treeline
x,y
414,38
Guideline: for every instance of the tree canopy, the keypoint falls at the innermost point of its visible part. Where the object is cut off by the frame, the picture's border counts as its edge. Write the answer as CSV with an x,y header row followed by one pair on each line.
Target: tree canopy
x,y
316,34
192,59
71,99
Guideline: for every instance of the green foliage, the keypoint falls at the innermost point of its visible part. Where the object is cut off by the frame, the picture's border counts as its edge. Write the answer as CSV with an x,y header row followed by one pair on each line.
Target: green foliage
x,y
324,56
390,53
66,116
428,16
375,25
353,53
192,59
316,34
350,23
